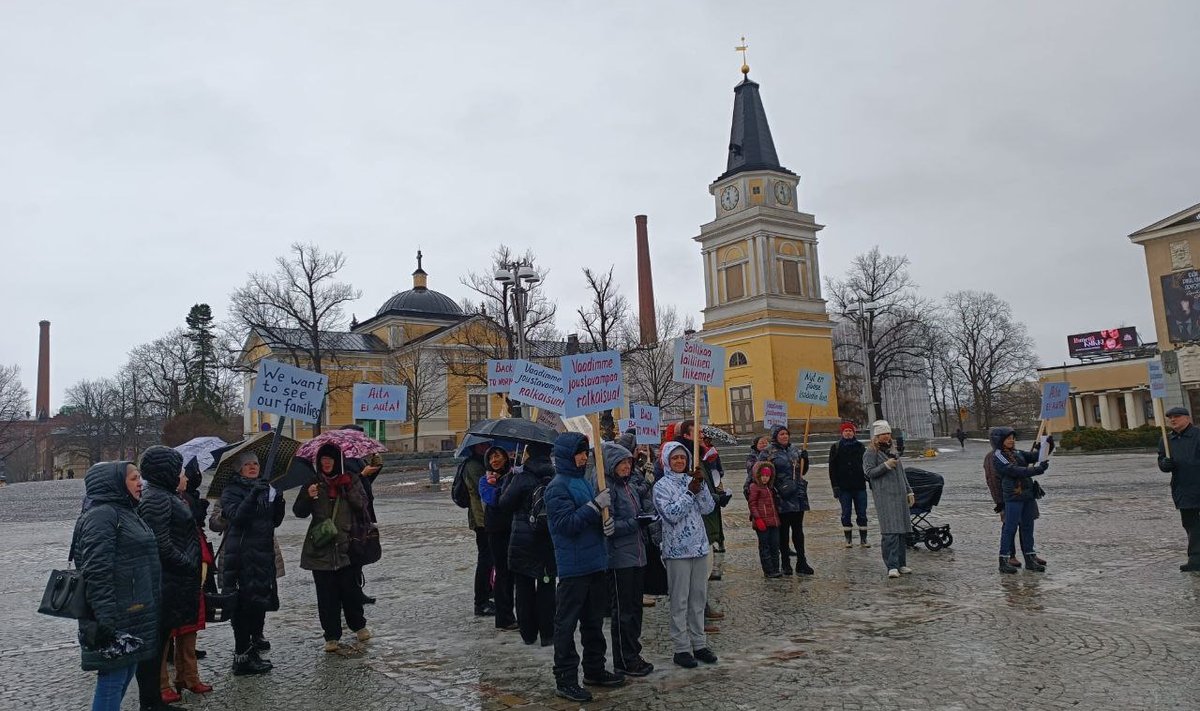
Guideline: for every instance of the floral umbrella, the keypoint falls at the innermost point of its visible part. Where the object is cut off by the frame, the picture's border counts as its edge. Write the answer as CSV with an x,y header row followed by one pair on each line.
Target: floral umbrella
x,y
352,443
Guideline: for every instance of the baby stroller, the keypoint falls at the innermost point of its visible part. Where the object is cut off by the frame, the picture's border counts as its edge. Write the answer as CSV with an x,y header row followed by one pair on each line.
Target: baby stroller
x,y
927,492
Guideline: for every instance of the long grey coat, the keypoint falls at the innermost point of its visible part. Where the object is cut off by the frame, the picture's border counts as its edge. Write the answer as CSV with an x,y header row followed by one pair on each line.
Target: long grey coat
x,y
890,490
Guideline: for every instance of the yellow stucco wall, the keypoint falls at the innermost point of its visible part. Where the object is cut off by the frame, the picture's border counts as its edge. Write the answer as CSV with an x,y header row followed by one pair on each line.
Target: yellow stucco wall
x,y
1114,377
1158,263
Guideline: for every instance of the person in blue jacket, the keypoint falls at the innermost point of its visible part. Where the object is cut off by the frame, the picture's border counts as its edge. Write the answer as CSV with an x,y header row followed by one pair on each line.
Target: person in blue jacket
x,y
1015,470
573,512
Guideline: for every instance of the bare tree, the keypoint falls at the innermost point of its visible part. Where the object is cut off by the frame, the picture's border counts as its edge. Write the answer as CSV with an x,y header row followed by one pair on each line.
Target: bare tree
x,y
423,372
992,352
495,303
650,370
14,408
889,324
292,308
91,418
162,371
604,317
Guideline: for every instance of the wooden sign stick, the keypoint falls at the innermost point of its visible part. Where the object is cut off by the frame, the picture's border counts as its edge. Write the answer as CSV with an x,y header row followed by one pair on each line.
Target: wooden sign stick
x,y
601,485
696,428
1162,425
807,421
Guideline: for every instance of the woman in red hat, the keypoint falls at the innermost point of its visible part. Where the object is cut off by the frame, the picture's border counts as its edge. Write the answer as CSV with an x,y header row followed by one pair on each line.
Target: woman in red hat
x,y
850,483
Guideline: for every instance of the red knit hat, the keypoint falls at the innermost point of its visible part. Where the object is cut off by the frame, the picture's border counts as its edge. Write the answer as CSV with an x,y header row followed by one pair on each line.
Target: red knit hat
x,y
849,426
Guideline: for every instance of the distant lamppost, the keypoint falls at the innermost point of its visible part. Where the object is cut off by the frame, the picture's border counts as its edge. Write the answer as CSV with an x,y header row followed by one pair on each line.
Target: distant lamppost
x,y
518,280
863,308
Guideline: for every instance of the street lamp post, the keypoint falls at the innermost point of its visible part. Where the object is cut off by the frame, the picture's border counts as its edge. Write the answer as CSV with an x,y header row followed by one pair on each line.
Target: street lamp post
x,y
864,308
519,279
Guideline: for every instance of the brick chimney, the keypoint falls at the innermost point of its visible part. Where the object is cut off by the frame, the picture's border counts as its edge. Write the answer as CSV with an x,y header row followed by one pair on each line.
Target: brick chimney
x,y
647,323
572,343
42,409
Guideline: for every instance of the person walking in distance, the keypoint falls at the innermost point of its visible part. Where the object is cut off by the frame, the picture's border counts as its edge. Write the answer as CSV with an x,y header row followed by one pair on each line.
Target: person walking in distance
x,y
1184,467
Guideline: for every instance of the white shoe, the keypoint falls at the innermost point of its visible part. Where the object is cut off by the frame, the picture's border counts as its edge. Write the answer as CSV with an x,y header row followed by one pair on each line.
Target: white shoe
x,y
904,569
893,573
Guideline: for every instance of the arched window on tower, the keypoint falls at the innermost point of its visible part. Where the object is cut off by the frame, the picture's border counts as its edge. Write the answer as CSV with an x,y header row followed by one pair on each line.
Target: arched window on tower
x,y
793,267
733,273
738,358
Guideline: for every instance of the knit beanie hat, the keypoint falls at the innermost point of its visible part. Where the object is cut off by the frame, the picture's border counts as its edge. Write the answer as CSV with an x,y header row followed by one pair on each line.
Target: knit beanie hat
x,y
879,427
849,426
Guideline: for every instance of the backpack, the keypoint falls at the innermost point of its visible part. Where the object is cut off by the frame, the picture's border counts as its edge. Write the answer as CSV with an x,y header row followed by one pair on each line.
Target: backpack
x,y
537,508
458,490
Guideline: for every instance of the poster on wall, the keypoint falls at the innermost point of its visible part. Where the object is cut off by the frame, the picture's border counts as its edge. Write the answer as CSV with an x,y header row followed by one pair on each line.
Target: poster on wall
x,y
1181,305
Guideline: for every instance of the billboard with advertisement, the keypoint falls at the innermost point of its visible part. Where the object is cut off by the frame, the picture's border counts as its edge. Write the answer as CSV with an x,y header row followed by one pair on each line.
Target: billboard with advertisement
x,y
1181,305
1101,342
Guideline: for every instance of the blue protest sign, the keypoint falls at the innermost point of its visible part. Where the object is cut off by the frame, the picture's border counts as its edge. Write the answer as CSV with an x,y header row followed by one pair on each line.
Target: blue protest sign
x,y
288,391
592,382
647,423
539,386
812,388
697,363
380,402
1054,400
1158,380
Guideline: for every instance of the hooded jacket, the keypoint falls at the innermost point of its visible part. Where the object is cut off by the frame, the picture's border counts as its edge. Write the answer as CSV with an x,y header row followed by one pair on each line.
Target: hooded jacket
x,y
762,497
626,546
174,528
1014,470
791,464
681,511
495,520
353,505
117,556
530,552
579,546
248,565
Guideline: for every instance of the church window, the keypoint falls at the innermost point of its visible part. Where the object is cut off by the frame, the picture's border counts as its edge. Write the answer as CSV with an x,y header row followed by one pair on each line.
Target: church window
x,y
738,358
734,286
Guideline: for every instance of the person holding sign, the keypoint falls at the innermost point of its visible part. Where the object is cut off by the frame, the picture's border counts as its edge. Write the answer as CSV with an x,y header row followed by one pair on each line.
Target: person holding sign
x,y
1182,460
1015,471
893,497
791,464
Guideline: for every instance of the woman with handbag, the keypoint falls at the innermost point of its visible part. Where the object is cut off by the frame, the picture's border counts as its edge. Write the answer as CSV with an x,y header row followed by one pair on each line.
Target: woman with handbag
x,y
117,558
333,501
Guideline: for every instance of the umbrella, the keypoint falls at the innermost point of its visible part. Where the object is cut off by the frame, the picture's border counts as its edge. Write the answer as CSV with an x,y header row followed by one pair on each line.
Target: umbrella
x,y
260,444
300,472
471,440
352,443
201,449
718,435
517,429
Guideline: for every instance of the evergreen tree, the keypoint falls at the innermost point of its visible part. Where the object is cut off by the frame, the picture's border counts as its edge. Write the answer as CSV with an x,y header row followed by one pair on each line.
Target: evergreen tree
x,y
201,393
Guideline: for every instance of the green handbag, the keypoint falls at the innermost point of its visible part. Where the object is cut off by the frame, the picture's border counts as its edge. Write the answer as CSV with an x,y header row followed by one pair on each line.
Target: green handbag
x,y
325,532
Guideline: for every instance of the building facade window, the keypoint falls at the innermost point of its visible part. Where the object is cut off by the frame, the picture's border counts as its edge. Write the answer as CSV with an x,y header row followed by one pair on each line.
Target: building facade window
x,y
477,408
734,286
738,358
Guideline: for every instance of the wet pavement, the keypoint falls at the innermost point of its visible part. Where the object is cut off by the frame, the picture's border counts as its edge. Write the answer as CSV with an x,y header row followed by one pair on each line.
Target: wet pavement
x,y
1111,624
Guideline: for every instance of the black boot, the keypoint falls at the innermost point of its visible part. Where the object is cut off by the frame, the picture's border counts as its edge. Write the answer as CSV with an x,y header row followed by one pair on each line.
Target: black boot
x,y
1032,564
260,644
249,663
1004,566
849,538
803,568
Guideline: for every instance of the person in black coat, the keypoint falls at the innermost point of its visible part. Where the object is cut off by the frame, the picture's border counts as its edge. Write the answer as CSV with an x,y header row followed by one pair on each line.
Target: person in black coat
x,y
254,510
1184,467
850,482
497,524
530,549
166,514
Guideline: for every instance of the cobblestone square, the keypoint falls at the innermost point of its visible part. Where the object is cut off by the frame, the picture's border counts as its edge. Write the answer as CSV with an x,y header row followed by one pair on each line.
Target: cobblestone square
x,y
1111,624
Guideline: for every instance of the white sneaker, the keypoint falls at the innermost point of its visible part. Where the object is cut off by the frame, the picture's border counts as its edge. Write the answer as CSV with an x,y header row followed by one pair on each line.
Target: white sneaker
x,y
893,573
905,570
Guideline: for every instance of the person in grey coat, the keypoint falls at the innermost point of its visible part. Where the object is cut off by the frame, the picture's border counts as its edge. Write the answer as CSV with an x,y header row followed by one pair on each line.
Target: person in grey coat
x,y
892,494
1184,467
626,560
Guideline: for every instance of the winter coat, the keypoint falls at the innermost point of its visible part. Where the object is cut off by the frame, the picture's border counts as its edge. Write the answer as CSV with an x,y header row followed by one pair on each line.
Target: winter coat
x,y
473,470
762,498
530,552
751,460
791,464
1184,467
890,490
1014,470
579,545
171,520
627,544
116,553
846,466
714,471
219,524
681,511
495,520
249,559
351,505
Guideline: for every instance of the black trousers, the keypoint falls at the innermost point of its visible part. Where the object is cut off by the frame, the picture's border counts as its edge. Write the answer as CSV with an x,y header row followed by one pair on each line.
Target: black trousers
x,y
535,607
338,593
768,550
498,544
1191,524
483,569
792,525
625,588
148,671
246,623
581,601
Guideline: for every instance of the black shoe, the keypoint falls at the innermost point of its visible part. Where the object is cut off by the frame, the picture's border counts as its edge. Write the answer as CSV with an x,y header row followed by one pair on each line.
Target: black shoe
x,y
201,654
266,662
244,664
1190,567
574,692
1004,566
715,577
1031,564
638,667
547,642
705,655
604,678
685,660
260,644
485,610
509,627
804,569
775,575
367,599
787,570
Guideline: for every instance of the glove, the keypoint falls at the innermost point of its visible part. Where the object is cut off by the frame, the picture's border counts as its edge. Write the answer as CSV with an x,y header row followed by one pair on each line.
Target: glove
x,y
1043,466
999,508
609,527
602,501
694,485
1167,464
760,525
837,493
912,499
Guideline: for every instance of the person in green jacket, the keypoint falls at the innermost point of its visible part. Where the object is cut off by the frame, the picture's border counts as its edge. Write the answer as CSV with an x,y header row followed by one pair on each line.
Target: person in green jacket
x,y
474,470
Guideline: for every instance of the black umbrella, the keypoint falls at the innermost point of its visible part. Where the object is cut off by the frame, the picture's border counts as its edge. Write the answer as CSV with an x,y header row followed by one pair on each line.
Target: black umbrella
x,y
516,429
300,473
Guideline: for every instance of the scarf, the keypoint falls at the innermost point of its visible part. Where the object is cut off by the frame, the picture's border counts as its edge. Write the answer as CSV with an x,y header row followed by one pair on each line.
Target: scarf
x,y
334,483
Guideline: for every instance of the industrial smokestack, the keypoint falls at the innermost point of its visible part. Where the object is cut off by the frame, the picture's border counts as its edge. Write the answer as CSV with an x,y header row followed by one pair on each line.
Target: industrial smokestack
x,y
43,377
647,322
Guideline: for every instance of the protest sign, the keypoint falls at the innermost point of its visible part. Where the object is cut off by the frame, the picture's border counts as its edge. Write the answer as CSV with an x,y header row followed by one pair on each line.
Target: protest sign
x,y
537,385
500,375
624,425
1158,381
1054,400
647,422
380,402
288,391
775,414
697,363
813,387
592,382
551,420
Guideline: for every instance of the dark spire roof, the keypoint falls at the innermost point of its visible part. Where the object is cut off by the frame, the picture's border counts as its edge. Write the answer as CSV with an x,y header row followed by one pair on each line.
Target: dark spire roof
x,y
750,143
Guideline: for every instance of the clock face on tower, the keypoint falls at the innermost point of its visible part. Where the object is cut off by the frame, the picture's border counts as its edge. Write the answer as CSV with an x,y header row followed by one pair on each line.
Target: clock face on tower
x,y
783,193
729,197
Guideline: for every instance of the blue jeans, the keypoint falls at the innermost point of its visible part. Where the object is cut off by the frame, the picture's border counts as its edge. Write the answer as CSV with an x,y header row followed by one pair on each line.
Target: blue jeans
x,y
857,499
1018,515
110,688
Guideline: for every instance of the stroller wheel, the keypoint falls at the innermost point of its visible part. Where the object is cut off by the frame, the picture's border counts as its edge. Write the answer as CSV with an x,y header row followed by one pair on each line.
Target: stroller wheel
x,y
947,539
933,542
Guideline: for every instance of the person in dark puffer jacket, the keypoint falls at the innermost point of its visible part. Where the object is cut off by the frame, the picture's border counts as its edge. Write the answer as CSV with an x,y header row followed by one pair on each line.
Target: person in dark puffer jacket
x,y
849,482
165,512
573,512
497,524
1015,471
117,557
253,511
531,551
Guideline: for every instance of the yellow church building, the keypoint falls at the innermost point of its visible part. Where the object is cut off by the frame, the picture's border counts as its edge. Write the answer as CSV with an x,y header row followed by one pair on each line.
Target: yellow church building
x,y
762,281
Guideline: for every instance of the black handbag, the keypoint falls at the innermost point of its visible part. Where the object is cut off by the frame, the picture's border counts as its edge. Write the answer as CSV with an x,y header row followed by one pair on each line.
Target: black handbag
x,y
365,547
66,594
219,607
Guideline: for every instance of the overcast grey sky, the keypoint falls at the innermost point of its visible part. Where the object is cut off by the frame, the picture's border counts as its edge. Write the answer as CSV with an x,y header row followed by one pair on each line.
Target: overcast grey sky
x,y
152,153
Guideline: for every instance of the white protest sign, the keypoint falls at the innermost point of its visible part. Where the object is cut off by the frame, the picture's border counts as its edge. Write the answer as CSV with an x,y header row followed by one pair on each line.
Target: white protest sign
x,y
697,363
592,382
500,375
538,385
1054,400
551,420
380,402
813,387
288,391
775,414
647,422
1158,381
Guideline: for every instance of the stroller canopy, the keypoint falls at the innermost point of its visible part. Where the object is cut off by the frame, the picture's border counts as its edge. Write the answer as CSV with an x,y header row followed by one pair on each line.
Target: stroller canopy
x,y
927,487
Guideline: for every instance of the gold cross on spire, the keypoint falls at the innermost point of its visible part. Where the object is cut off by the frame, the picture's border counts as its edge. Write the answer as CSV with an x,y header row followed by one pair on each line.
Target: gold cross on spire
x,y
742,48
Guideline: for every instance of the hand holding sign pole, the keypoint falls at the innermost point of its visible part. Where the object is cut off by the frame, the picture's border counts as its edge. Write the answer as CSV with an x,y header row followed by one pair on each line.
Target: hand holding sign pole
x,y
1158,391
